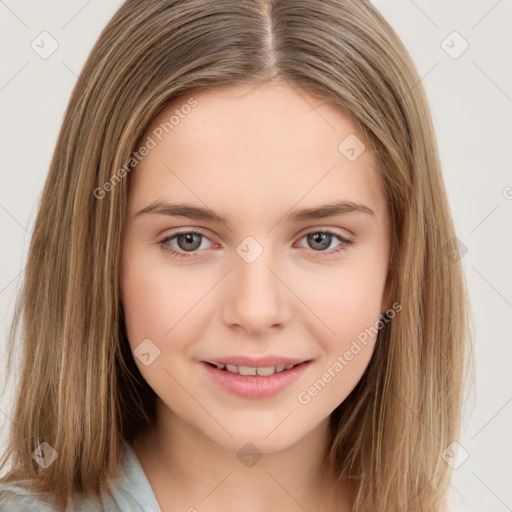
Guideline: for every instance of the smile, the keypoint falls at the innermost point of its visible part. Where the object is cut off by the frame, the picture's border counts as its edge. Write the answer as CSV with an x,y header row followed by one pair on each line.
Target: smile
x,y
264,371
254,382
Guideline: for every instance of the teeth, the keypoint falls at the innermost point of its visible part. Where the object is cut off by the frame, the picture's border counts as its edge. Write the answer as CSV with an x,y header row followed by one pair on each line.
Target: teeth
x,y
246,370
250,370
265,372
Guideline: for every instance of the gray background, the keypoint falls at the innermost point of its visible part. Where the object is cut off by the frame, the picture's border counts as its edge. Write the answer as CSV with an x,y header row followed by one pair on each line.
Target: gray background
x,y
471,100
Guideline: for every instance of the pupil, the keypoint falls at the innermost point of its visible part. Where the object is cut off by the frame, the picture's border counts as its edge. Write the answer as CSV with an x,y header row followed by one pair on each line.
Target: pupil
x,y
188,238
323,239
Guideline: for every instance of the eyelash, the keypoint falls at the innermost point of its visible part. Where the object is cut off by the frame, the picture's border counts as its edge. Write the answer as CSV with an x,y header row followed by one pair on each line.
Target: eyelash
x,y
345,242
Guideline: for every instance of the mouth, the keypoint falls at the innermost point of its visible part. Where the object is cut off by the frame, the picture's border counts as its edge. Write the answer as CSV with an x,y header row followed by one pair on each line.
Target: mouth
x,y
253,371
254,382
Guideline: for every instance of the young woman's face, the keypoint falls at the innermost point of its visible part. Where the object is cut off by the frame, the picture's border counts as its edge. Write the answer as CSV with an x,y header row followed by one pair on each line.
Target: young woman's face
x,y
264,283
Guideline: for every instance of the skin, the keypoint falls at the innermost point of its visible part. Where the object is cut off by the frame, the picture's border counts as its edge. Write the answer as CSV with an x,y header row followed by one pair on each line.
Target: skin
x,y
252,154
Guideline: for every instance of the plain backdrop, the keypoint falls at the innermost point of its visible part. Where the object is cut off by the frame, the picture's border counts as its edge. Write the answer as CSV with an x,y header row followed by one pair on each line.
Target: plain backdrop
x,y
462,50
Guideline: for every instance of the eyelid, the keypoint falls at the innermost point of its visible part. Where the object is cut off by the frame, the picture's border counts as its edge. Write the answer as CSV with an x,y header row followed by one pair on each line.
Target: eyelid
x,y
182,231
306,231
341,232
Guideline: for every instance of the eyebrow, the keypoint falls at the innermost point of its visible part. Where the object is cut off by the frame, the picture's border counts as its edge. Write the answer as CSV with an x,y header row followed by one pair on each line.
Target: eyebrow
x,y
194,212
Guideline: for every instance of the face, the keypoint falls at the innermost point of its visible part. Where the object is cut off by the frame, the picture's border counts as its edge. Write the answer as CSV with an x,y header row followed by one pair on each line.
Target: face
x,y
270,275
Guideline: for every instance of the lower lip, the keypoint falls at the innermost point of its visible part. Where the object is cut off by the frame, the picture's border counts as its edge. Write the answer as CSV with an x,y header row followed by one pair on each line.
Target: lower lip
x,y
250,386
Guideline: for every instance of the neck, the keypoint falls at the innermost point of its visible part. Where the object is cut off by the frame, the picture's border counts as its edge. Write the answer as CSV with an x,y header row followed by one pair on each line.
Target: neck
x,y
185,467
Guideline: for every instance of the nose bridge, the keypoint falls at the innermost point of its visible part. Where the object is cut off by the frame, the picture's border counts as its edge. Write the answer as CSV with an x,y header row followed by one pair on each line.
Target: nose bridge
x,y
257,300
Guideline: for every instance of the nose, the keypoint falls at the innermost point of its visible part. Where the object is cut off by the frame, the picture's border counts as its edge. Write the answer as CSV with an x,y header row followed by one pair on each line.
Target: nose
x,y
256,299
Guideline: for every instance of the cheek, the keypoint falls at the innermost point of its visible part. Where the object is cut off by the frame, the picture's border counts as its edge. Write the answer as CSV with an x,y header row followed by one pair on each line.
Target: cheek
x,y
144,306
154,300
346,296
344,304
166,304
347,307
155,303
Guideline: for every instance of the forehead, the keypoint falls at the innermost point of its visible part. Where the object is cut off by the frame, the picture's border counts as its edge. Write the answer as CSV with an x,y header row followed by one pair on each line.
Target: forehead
x,y
270,142
273,112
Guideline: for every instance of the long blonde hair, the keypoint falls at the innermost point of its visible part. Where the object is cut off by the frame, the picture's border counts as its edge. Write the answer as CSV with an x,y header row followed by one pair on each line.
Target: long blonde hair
x,y
80,390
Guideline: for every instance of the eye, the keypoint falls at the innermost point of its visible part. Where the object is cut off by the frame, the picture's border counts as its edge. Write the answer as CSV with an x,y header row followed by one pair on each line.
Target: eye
x,y
187,241
321,239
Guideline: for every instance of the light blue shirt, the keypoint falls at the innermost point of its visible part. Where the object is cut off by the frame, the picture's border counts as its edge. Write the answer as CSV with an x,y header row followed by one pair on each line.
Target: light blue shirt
x,y
131,492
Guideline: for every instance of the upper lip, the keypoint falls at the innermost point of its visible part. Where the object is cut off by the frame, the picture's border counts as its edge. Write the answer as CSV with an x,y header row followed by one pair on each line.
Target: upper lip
x,y
257,362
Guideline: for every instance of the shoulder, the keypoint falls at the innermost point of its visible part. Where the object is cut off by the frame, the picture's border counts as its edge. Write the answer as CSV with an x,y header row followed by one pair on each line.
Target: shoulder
x,y
15,498
131,492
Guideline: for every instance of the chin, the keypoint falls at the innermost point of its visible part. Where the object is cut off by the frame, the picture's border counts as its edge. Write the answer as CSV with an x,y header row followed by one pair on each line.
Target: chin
x,y
256,439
